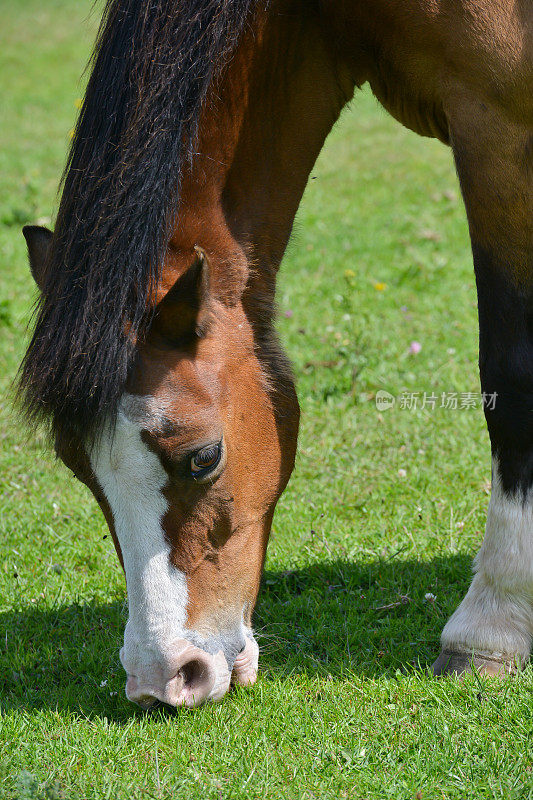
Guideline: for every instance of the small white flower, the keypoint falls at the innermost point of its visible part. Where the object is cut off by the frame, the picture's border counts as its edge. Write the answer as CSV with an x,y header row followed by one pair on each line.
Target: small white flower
x,y
104,683
429,597
402,473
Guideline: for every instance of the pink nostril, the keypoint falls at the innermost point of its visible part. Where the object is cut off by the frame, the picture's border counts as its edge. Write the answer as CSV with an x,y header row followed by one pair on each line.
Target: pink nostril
x,y
195,676
201,676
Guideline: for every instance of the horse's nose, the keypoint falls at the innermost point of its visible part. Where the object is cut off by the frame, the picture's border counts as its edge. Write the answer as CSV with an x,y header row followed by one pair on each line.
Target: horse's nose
x,y
194,677
245,665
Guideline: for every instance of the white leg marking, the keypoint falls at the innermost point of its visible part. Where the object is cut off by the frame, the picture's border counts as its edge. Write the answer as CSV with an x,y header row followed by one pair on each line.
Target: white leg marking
x,y
132,478
496,616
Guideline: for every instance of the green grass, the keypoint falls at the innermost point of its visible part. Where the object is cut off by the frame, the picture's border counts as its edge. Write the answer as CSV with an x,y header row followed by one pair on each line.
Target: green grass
x,y
382,506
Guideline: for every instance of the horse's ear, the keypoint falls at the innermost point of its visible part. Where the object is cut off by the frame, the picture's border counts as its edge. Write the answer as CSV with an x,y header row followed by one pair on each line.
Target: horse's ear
x,y
185,310
38,240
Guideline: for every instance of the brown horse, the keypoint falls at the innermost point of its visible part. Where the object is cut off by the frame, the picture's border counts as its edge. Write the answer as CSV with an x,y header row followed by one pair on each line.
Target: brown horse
x,y
154,359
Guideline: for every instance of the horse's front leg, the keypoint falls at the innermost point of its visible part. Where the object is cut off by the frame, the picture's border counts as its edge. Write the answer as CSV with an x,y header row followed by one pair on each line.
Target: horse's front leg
x,y
493,626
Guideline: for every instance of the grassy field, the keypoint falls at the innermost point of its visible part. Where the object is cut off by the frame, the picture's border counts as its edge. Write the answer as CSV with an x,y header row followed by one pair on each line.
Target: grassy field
x,y
372,542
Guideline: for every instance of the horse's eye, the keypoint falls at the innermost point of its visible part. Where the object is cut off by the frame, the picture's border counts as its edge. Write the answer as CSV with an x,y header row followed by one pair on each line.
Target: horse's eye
x,y
205,460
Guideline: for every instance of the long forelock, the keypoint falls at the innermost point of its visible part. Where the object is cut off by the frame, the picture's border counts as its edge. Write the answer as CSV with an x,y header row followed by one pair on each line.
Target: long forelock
x,y
152,69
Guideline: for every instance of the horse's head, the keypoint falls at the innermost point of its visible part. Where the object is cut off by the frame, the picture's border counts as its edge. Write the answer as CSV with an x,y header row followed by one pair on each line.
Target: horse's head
x,y
188,474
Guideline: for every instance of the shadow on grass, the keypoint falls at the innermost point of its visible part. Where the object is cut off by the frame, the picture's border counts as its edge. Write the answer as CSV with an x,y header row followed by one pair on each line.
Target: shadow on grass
x,y
339,618
369,619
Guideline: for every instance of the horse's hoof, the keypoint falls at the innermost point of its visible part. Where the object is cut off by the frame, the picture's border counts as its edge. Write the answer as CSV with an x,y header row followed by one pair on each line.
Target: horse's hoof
x,y
458,664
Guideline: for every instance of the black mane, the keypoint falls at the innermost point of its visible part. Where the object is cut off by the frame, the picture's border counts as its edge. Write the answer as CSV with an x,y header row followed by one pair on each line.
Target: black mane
x,y
151,69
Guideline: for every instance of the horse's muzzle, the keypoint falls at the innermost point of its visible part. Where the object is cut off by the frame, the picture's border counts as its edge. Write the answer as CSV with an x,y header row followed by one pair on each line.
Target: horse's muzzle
x,y
194,678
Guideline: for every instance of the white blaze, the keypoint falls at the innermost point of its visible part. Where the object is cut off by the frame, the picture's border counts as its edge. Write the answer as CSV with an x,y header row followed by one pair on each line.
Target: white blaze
x,y
132,478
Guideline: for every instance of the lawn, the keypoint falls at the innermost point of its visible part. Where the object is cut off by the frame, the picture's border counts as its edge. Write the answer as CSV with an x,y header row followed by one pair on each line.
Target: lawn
x,y
372,542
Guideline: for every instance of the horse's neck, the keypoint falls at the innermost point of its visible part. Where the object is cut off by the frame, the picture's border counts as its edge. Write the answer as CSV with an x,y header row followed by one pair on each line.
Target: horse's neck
x,y
259,137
